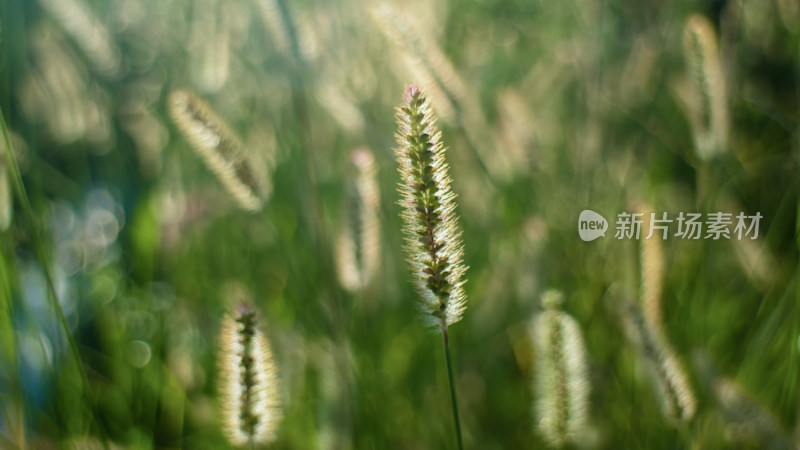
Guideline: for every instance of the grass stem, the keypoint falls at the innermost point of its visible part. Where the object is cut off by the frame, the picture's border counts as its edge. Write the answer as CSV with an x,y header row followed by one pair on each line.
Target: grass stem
x,y
38,247
52,296
451,377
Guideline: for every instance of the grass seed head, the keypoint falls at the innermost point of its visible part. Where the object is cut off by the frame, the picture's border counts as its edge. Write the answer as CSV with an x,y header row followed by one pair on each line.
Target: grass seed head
x,y
562,385
248,380
675,392
433,237
710,125
358,252
220,149
6,195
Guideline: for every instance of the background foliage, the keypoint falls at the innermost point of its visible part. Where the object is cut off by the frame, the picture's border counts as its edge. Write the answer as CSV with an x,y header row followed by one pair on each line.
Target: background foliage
x,y
555,107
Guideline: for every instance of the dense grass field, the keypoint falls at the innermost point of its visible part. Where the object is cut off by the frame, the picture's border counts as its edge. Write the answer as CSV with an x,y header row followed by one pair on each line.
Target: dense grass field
x,y
163,160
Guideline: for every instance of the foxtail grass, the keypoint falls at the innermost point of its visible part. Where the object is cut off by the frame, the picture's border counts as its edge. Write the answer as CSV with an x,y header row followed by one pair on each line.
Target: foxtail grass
x,y
278,21
427,63
248,383
210,42
646,321
59,94
432,234
220,148
433,237
423,59
358,249
651,261
273,20
709,117
562,385
6,196
677,398
94,39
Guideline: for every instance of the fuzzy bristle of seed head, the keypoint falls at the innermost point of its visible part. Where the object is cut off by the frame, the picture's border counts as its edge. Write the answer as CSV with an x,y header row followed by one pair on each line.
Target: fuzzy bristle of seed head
x,y
248,379
561,383
433,237
711,124
651,261
6,195
358,247
675,392
220,148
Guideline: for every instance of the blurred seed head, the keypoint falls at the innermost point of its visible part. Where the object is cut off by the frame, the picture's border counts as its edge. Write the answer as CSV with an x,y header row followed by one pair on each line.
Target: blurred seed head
x,y
561,380
515,133
210,53
359,243
667,373
57,92
77,19
248,379
341,108
220,148
552,299
423,59
651,261
709,105
6,193
274,21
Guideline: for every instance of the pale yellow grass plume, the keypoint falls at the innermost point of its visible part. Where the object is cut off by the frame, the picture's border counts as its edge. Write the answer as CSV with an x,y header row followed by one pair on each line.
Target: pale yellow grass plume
x,y
58,92
651,260
77,19
433,236
209,43
423,59
708,98
248,384
358,248
341,107
275,22
6,193
220,148
561,384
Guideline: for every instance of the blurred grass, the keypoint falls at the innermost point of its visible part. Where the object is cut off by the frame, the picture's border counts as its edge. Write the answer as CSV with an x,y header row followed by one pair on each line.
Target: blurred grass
x,y
575,109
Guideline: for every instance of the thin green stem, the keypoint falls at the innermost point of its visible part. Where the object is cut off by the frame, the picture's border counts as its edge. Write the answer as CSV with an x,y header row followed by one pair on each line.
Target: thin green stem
x,y
52,297
38,247
450,375
12,407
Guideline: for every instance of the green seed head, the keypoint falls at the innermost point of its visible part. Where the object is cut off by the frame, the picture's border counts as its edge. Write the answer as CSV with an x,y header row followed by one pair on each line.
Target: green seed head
x,y
433,238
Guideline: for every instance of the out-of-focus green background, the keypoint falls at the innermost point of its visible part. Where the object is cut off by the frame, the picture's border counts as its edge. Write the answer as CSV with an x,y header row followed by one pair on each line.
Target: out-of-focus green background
x,y
547,107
